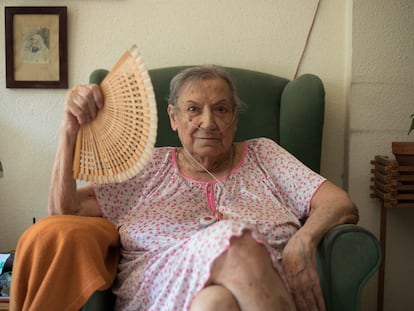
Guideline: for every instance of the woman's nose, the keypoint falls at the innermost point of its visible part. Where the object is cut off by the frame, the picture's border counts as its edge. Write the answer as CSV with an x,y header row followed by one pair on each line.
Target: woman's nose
x,y
206,119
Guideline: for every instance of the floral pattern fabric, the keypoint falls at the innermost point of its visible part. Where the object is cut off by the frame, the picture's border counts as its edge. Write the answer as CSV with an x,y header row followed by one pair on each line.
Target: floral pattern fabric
x,y
167,254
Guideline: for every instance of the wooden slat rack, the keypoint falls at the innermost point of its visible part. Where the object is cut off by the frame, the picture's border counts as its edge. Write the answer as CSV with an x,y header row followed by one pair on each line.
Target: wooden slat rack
x,y
393,185
4,303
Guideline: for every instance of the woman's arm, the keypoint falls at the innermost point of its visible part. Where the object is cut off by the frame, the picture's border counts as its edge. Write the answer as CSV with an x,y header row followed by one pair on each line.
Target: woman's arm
x,y
330,206
81,106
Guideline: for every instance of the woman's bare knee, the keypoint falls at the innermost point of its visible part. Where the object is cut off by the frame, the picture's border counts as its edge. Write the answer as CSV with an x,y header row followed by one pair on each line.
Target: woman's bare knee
x,y
214,297
247,271
245,254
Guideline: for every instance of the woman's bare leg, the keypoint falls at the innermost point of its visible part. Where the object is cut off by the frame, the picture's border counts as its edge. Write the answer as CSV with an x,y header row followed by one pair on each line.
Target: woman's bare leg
x,y
214,297
246,270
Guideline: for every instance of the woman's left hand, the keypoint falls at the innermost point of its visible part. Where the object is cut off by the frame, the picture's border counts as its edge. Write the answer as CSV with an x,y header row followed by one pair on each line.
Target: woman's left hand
x,y
299,264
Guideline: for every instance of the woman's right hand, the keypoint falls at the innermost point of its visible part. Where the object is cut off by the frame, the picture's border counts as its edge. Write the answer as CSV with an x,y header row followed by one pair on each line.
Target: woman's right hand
x,y
81,106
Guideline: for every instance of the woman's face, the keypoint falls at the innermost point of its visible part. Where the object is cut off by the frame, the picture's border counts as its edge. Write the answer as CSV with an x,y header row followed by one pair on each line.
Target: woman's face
x,y
206,117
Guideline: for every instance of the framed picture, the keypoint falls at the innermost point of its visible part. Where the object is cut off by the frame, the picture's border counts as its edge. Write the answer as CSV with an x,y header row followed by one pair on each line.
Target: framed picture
x,y
36,47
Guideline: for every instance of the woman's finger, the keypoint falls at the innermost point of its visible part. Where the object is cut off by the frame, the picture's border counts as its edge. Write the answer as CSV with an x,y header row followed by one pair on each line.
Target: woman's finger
x,y
93,97
97,95
317,291
84,101
305,299
79,106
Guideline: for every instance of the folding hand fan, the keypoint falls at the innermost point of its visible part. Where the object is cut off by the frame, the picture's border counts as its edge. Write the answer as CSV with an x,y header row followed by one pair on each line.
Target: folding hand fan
x,y
118,143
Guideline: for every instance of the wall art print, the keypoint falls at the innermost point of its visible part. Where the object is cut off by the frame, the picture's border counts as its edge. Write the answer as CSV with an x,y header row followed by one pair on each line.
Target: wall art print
x,y
36,47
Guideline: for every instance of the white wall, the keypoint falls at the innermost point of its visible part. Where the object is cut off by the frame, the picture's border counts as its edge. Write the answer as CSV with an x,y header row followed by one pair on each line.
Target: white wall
x,y
382,99
266,35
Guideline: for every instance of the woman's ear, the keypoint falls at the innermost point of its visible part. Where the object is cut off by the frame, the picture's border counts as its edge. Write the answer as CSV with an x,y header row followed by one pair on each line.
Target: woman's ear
x,y
173,117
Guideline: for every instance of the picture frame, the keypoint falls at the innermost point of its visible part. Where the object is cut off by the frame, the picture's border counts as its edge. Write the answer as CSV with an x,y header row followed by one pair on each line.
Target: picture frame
x,y
36,47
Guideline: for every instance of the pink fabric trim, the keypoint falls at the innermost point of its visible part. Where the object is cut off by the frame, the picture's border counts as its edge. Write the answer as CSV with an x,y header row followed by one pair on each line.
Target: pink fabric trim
x,y
210,200
235,168
210,190
309,204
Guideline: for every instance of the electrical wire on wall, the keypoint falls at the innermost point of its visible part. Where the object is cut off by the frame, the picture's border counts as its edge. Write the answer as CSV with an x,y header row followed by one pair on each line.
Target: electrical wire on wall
x,y
305,47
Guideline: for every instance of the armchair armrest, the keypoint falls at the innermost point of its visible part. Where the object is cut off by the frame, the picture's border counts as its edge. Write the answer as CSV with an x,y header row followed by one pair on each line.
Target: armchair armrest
x,y
348,255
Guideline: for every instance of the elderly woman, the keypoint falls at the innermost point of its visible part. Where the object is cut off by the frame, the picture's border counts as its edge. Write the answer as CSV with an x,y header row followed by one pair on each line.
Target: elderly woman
x,y
213,224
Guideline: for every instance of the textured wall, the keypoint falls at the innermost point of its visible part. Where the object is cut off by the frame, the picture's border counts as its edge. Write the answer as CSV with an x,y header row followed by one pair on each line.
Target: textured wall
x,y
382,99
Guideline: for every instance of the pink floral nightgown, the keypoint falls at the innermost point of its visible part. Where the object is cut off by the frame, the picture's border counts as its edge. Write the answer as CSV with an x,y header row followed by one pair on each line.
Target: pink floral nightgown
x,y
167,254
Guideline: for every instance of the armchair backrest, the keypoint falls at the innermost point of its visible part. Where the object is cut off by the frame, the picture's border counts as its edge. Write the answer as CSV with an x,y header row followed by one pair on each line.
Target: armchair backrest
x,y
289,112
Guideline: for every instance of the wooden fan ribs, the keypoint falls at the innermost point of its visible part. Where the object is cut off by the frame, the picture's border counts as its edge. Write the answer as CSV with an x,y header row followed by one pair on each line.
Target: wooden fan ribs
x,y
119,142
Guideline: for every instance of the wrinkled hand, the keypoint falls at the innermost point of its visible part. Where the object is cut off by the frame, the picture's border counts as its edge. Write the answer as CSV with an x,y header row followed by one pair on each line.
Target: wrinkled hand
x,y
299,264
81,106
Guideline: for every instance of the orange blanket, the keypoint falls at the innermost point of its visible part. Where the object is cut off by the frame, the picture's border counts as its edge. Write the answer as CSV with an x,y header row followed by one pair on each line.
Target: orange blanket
x,y
61,261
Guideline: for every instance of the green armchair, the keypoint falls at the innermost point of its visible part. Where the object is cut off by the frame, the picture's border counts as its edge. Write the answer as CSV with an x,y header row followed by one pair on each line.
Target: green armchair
x,y
292,114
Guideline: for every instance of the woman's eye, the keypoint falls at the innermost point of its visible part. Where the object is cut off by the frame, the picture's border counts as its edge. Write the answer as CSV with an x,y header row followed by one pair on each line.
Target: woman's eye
x,y
192,109
222,109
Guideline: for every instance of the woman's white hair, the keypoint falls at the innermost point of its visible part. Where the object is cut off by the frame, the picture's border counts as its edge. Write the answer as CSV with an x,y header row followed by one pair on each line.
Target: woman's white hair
x,y
205,72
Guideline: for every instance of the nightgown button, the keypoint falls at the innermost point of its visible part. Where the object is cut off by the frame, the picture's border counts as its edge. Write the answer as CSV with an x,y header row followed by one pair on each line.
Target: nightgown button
x,y
206,221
